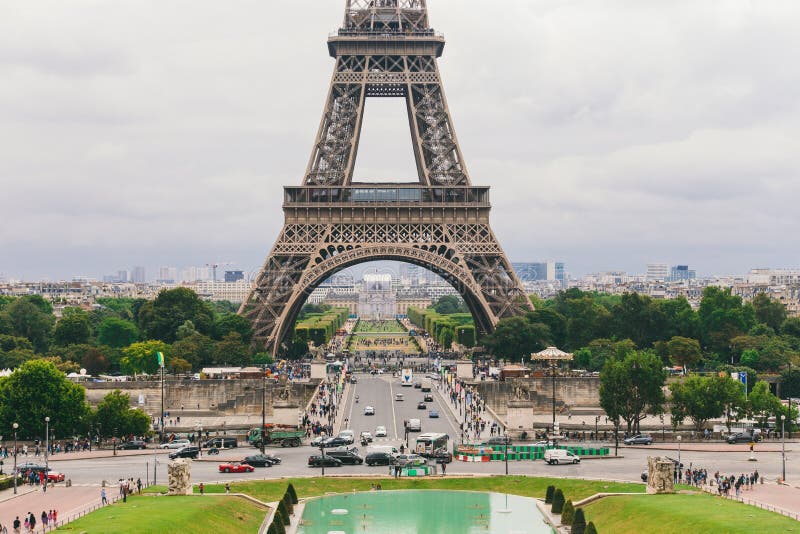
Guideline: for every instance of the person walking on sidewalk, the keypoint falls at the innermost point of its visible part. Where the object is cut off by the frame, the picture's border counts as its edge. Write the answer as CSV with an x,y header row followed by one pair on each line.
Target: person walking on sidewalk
x,y
103,499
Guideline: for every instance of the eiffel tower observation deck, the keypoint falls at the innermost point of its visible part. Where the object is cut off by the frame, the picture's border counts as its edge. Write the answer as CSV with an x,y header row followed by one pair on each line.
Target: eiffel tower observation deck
x,y
438,220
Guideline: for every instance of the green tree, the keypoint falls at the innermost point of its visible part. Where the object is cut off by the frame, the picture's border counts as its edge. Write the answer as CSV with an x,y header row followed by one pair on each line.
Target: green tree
x,y
38,390
638,318
702,398
115,417
750,358
631,388
95,361
516,338
723,317
160,318
790,383
185,330
32,318
231,351
226,324
681,319
578,522
567,513
684,351
73,328
14,343
450,304
768,311
13,358
141,357
558,501
196,349
116,332
791,327
763,404
556,322
602,349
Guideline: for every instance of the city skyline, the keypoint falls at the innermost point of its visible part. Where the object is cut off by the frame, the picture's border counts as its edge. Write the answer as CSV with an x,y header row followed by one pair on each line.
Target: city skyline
x,y
174,146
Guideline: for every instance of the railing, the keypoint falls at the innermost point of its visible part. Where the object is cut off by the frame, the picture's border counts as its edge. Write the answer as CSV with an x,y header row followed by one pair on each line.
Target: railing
x,y
385,34
89,509
751,502
394,194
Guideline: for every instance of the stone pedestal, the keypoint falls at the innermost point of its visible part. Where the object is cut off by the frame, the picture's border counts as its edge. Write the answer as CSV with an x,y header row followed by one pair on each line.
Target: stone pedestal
x,y
180,479
660,475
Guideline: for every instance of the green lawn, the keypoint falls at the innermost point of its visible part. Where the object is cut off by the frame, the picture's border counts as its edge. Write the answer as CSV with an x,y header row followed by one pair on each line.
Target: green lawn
x,y
683,514
269,491
173,514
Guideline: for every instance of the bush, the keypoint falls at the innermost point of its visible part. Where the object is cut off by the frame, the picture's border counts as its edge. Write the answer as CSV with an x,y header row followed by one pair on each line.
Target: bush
x,y
287,500
283,513
567,513
558,502
279,528
290,490
579,522
548,496
590,529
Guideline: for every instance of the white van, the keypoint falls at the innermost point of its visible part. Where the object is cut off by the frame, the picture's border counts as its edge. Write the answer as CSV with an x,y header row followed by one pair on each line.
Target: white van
x,y
414,425
560,456
383,448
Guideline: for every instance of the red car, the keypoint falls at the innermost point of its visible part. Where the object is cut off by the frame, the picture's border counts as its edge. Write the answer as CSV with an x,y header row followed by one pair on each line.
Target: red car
x,y
236,467
55,477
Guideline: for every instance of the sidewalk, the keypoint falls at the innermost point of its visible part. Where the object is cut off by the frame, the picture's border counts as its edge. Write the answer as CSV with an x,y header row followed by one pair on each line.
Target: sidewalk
x,y
67,501
472,436
769,496
713,446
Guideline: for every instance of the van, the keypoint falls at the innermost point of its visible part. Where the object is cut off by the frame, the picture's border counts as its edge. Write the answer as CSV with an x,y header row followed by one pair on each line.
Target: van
x,y
414,425
221,443
560,456
384,448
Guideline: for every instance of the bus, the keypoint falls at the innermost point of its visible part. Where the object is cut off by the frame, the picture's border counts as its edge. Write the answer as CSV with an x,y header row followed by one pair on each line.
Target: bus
x,y
431,444
407,378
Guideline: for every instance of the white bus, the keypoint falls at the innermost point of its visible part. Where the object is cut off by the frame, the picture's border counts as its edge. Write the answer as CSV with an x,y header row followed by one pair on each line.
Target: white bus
x,y
431,444
407,378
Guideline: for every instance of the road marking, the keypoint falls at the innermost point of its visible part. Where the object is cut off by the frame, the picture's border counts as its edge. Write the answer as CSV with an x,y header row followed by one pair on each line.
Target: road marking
x,y
394,415
351,398
448,413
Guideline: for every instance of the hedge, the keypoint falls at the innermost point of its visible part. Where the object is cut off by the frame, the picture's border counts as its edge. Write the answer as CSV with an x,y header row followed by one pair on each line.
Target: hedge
x,y
558,502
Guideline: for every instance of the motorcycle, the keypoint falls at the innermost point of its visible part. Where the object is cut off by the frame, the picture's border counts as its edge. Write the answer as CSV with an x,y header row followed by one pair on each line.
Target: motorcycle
x,y
356,399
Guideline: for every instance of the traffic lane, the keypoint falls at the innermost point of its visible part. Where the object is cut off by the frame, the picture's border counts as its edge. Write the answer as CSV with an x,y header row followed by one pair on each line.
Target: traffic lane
x,y
373,392
407,409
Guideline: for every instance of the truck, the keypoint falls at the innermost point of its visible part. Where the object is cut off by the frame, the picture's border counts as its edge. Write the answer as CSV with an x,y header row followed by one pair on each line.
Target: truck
x,y
274,434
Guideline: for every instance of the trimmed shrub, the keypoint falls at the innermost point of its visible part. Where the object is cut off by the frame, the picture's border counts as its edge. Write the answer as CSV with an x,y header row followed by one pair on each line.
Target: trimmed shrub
x,y
290,490
567,513
287,500
283,512
558,502
279,528
548,496
590,529
579,522
271,529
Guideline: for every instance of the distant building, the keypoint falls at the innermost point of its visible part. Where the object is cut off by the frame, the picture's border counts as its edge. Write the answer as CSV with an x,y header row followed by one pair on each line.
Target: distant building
x,y
233,276
138,275
657,272
681,272
540,271
167,275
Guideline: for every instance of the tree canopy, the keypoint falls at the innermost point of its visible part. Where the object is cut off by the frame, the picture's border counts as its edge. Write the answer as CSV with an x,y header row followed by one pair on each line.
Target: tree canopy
x,y
115,417
159,319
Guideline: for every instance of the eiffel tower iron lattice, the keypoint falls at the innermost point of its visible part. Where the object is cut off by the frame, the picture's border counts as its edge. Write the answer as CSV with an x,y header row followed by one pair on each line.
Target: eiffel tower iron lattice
x,y
385,48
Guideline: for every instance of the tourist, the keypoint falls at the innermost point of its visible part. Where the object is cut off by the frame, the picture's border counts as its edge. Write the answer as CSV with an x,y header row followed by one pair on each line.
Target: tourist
x,y
16,525
103,499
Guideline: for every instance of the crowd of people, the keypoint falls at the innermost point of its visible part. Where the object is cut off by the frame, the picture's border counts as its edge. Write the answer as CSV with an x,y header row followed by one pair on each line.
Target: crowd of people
x,y
724,484
322,410
48,520
475,421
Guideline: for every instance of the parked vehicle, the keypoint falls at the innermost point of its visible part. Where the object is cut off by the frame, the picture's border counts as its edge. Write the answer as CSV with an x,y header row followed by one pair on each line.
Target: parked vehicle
x,y
317,460
190,451
262,460
55,476
560,456
175,444
640,439
379,458
131,445
236,467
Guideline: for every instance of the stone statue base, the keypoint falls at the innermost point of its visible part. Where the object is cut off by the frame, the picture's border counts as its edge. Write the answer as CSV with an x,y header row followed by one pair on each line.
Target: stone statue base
x,y
180,479
660,475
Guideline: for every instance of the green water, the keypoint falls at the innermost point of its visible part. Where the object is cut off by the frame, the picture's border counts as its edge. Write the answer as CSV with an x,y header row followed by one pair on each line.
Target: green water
x,y
424,512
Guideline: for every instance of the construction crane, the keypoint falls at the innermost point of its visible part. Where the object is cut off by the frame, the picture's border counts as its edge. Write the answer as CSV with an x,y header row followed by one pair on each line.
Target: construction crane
x,y
215,265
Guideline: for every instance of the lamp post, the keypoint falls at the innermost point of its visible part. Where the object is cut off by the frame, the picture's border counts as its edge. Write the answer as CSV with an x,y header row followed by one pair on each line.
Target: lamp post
x,y
596,421
322,451
783,448
680,466
505,441
46,443
16,426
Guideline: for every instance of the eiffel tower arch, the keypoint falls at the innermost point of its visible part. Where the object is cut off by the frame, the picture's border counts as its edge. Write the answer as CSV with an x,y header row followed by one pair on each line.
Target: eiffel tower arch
x,y
385,48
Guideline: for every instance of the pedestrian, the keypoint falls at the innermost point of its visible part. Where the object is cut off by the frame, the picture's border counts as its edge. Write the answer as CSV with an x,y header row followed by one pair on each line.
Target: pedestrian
x,y
227,488
202,487
103,499
32,522
444,468
44,520
16,525
139,485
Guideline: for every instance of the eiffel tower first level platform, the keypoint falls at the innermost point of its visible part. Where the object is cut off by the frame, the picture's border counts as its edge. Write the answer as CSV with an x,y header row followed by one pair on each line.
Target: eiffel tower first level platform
x,y
385,48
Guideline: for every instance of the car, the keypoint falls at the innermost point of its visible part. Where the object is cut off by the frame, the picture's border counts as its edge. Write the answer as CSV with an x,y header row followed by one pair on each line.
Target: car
x,y
414,425
442,457
379,458
380,432
30,466
417,385
348,435
55,476
335,442
221,443
399,397
189,451
409,460
175,444
640,439
261,460
433,414
426,389
133,444
428,398
498,440
369,410
236,467
317,460
366,436
346,456
422,406
560,456
743,437
316,442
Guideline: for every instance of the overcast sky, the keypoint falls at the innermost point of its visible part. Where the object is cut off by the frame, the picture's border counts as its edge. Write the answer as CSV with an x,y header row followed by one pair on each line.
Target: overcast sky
x,y
613,133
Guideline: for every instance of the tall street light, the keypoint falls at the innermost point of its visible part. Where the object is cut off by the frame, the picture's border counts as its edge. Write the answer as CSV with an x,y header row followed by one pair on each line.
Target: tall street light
x,y
46,444
505,440
783,448
16,426
680,466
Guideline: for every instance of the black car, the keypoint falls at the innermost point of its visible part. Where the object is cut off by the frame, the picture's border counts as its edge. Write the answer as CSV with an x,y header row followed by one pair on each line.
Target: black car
x,y
498,440
133,444
742,437
422,406
428,398
186,452
417,385
426,389
327,461
261,460
379,458
335,442
641,439
346,456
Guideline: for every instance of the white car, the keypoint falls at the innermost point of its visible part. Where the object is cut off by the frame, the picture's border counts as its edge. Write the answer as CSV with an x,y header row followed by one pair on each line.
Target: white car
x,y
380,432
348,435
176,444
369,410
366,436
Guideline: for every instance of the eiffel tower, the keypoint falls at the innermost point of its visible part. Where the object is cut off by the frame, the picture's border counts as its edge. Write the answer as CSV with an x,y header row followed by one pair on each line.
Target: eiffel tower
x,y
385,48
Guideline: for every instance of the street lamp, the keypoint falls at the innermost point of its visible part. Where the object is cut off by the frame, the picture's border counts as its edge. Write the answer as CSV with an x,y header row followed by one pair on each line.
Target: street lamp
x,y
505,441
783,448
596,421
16,426
46,444
680,466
